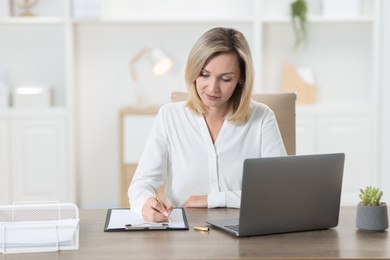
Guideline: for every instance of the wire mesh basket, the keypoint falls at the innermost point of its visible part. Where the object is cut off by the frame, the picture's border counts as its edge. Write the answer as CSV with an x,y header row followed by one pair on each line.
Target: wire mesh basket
x,y
38,227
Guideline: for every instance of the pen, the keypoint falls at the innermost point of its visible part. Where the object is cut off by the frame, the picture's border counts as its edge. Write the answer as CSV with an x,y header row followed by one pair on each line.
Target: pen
x,y
159,201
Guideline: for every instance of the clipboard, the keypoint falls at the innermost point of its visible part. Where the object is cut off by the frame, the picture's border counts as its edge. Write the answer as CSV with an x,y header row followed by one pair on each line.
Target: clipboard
x,y
124,219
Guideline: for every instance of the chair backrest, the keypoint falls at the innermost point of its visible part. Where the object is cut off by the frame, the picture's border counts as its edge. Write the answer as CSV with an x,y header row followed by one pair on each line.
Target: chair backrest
x,y
283,105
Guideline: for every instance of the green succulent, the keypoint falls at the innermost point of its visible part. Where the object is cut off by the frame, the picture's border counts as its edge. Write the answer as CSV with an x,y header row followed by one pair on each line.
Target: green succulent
x,y
371,196
299,21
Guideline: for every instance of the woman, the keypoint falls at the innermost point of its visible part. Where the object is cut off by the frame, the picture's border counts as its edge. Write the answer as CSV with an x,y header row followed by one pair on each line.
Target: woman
x,y
197,148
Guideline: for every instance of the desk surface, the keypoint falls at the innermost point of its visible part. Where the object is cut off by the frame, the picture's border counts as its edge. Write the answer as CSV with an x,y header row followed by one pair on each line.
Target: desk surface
x,y
345,241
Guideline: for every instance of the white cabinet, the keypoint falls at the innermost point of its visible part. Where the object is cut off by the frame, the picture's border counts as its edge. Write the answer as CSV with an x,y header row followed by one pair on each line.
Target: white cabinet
x,y
37,160
134,138
33,157
349,132
4,162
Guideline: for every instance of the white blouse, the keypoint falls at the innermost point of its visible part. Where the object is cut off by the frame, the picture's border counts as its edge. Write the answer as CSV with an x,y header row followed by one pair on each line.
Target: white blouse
x,y
180,153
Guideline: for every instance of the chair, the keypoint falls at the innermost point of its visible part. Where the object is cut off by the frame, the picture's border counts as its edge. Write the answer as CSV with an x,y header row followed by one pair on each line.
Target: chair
x,y
283,105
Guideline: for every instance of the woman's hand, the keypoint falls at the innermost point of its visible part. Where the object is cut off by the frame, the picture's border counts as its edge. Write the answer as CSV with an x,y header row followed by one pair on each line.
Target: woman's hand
x,y
156,211
196,202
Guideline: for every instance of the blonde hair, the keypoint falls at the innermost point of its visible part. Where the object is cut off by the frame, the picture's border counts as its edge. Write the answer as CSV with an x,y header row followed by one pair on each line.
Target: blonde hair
x,y
210,44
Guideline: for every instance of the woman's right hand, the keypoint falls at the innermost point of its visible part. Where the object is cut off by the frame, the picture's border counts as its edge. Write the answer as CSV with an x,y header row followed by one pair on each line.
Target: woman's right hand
x,y
156,211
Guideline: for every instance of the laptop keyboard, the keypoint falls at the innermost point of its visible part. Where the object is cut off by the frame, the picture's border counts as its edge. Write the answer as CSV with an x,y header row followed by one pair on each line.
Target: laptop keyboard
x,y
233,227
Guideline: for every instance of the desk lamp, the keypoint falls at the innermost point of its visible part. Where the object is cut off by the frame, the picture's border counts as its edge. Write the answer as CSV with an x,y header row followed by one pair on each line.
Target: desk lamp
x,y
161,64
160,61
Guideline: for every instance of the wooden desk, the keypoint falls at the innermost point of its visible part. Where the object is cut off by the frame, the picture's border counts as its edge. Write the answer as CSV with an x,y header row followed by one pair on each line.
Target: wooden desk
x,y
343,242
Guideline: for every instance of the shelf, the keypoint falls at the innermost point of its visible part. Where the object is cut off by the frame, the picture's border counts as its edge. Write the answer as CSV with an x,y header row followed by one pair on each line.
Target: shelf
x,y
24,112
351,110
31,20
162,20
191,20
320,19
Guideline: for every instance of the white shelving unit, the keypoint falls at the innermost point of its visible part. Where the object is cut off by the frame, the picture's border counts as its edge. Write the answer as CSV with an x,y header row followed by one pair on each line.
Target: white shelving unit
x,y
37,144
86,62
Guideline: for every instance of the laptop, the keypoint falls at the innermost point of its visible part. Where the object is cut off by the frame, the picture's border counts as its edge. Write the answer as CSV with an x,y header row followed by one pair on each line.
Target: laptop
x,y
288,194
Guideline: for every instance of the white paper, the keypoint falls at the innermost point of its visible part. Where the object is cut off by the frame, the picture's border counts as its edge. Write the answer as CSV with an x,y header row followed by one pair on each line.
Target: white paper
x,y
37,233
122,217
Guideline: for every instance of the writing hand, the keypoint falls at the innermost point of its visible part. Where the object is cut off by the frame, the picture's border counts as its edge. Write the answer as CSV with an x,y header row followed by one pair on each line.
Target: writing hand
x,y
155,210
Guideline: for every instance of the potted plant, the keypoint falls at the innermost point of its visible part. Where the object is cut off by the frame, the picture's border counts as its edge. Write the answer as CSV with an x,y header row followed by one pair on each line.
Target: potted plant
x,y
299,21
371,212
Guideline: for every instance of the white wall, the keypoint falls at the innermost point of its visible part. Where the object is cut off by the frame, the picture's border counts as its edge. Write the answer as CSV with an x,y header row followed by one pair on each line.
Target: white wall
x,y
384,136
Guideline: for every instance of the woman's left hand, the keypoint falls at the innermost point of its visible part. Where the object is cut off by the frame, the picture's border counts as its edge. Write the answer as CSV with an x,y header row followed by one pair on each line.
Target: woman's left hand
x,y
196,202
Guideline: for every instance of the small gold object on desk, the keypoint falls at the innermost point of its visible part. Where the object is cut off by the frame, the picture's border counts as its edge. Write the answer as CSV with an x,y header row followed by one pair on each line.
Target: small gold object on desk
x,y
197,228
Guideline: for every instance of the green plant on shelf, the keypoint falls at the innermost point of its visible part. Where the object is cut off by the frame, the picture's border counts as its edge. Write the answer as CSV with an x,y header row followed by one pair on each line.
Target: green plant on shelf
x,y
299,21
371,196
